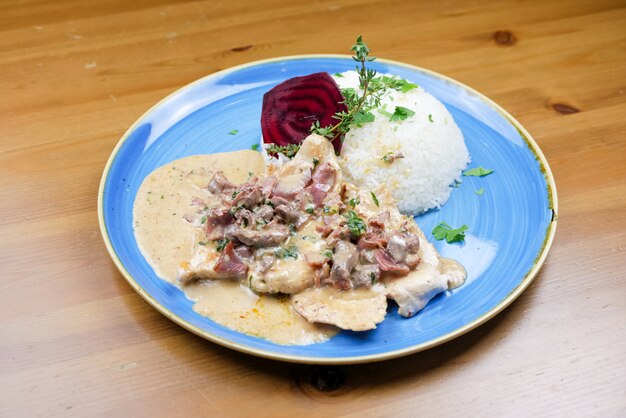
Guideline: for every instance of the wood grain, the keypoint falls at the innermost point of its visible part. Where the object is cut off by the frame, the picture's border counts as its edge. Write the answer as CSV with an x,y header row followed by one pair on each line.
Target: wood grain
x,y
76,340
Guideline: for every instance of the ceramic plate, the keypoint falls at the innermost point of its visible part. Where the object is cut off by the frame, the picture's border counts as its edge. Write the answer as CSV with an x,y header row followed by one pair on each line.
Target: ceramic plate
x,y
511,225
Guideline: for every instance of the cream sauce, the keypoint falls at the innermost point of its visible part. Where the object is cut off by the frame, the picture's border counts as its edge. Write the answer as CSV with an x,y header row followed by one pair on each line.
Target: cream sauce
x,y
165,225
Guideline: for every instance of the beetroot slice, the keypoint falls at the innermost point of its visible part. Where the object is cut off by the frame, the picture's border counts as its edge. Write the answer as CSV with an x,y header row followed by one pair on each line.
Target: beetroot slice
x,y
290,108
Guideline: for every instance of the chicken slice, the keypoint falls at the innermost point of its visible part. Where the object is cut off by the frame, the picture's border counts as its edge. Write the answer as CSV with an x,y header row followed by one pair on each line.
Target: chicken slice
x,y
432,276
356,309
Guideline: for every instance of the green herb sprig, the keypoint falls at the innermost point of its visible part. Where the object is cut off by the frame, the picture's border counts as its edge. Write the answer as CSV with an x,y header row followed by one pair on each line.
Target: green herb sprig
x,y
443,230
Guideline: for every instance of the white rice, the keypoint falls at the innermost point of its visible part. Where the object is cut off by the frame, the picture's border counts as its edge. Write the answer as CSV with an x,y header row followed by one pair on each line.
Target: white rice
x,y
434,152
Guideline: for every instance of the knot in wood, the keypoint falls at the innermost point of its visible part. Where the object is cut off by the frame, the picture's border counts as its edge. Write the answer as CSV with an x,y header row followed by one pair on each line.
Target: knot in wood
x,y
504,38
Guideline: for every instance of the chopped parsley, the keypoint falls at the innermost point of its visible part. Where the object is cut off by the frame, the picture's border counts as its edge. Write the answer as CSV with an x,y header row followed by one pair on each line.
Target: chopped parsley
x,y
310,210
233,132
480,191
203,219
221,244
328,254
288,252
329,211
316,161
338,75
354,201
355,224
401,113
202,243
235,193
477,172
287,150
254,147
430,118
236,209
443,230
375,199
363,117
373,277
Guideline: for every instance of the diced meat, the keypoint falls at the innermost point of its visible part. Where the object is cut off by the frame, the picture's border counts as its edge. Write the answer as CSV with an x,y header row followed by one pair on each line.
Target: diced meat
x,y
216,221
324,177
230,263
372,240
365,275
265,212
277,201
245,253
220,184
397,247
248,195
245,218
344,261
378,221
270,235
322,275
338,234
291,215
388,264
367,257
324,230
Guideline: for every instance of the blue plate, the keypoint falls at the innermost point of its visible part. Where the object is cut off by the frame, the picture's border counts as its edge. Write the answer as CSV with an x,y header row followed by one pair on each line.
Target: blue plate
x,y
511,226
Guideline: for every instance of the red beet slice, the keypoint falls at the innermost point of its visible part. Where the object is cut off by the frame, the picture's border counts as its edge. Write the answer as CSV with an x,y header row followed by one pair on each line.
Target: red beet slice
x,y
290,108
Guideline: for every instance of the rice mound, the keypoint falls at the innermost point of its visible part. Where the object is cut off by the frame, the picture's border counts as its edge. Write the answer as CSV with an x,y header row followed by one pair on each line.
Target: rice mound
x,y
434,152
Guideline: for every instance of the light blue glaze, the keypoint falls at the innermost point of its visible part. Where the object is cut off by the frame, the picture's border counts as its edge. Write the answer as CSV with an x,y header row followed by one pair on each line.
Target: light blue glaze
x,y
507,225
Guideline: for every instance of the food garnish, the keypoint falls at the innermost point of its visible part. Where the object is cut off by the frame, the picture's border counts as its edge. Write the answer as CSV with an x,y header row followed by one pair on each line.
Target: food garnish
x,y
443,230
291,107
480,191
477,172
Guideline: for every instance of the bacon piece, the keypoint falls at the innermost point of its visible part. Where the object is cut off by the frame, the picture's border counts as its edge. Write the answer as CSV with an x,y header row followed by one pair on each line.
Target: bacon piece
x,y
378,221
216,222
387,263
324,177
219,183
249,195
372,240
229,263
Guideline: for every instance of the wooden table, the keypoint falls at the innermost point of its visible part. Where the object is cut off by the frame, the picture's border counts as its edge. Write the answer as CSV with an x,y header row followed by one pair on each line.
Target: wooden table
x,y
75,339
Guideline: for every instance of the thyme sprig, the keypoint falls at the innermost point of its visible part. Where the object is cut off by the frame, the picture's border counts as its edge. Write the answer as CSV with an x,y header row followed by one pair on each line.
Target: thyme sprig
x,y
358,106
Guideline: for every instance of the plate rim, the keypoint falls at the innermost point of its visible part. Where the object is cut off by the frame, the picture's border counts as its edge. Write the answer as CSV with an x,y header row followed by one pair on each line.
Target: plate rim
x,y
504,303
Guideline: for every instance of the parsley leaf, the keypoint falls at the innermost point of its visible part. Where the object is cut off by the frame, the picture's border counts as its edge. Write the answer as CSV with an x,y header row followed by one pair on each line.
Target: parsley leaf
x,y
355,224
430,118
477,172
363,117
221,244
401,113
288,252
328,254
354,201
338,75
480,191
234,132
375,199
443,230
254,147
